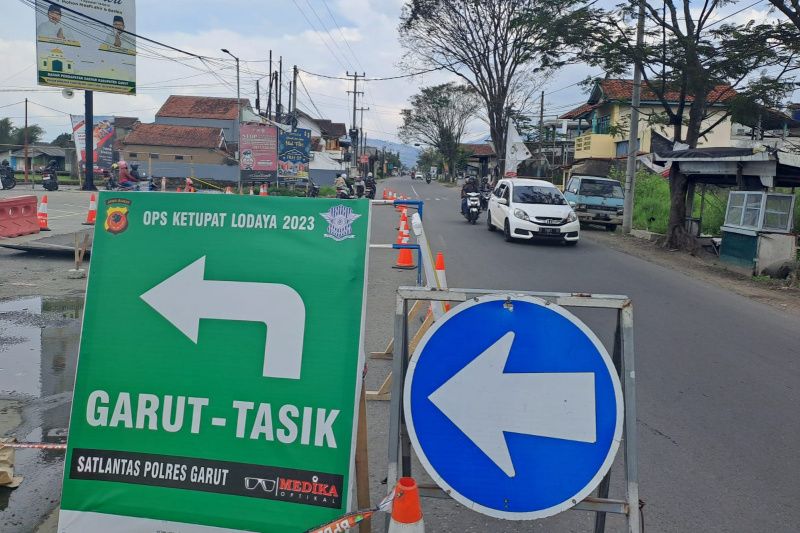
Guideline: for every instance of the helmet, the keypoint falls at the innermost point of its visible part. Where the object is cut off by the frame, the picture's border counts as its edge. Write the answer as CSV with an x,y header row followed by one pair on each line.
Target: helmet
x,y
369,174
114,166
344,175
471,179
4,163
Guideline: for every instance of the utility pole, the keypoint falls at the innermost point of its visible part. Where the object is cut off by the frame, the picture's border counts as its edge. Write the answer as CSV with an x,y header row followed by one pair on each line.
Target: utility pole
x,y
269,93
289,105
258,97
363,143
294,91
354,128
541,128
238,124
633,139
279,92
26,140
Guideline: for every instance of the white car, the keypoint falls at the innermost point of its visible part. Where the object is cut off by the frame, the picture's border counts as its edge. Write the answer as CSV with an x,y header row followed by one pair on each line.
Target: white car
x,y
527,209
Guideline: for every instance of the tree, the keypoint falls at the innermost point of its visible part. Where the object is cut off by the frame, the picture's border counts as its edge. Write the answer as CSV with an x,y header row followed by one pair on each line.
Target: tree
x,y
438,117
481,42
689,61
64,140
35,133
790,8
6,127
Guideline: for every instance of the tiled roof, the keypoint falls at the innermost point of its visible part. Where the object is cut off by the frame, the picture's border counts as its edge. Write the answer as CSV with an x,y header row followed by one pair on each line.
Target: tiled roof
x,y
168,135
331,129
622,90
125,122
479,150
578,112
201,107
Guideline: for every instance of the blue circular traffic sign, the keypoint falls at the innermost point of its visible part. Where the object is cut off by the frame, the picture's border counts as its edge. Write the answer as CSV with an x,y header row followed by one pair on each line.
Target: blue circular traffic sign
x,y
513,406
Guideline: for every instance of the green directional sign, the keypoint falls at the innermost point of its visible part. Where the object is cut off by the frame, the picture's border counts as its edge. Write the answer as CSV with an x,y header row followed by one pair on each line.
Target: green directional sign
x,y
219,365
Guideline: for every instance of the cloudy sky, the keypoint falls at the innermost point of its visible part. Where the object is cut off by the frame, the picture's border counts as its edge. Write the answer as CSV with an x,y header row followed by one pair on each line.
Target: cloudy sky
x,y
320,36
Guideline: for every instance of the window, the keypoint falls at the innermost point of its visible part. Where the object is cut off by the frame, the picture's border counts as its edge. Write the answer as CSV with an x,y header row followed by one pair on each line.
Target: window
x,y
572,185
498,192
602,188
507,193
603,124
153,156
760,211
132,155
178,158
530,194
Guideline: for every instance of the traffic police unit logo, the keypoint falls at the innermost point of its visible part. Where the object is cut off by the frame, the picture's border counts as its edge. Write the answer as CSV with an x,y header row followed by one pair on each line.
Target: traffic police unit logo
x,y
340,222
117,215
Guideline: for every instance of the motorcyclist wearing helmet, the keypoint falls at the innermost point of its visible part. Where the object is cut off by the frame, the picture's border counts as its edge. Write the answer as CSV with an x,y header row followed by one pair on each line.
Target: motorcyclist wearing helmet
x,y
341,181
126,180
5,168
469,186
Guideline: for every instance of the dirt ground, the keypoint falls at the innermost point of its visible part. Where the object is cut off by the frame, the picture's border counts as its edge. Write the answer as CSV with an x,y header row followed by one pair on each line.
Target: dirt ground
x,y
706,267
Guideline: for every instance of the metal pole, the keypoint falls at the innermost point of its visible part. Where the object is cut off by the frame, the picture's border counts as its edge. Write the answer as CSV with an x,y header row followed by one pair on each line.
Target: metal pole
x,y
633,139
279,92
258,96
25,133
294,90
88,127
630,437
269,94
541,128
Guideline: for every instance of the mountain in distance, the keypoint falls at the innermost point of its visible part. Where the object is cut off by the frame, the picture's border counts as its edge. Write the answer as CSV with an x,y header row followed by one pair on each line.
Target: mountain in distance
x,y
408,154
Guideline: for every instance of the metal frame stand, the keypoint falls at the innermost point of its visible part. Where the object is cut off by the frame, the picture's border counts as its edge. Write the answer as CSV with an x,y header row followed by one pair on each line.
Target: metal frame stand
x,y
399,463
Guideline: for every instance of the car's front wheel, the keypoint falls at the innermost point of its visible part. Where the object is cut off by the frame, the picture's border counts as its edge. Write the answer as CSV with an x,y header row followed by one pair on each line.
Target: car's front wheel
x,y
507,232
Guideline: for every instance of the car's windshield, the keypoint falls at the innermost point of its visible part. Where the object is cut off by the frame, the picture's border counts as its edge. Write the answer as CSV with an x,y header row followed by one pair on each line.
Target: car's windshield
x,y
531,194
602,188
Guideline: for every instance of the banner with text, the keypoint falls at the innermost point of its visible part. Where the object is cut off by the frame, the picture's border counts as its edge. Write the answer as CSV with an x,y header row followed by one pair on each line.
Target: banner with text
x,y
294,153
103,136
258,152
87,44
232,404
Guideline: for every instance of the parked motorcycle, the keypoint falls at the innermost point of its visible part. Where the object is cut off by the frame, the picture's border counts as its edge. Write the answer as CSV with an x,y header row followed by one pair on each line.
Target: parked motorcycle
x,y
473,207
7,178
50,177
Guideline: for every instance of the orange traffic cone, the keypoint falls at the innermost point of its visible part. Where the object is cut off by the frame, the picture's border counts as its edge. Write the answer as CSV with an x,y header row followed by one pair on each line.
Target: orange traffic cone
x,y
384,194
441,275
178,190
228,190
41,214
91,216
405,259
406,508
263,191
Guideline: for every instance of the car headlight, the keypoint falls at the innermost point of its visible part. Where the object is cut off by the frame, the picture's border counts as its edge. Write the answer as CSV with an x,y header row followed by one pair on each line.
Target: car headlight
x,y
572,217
519,213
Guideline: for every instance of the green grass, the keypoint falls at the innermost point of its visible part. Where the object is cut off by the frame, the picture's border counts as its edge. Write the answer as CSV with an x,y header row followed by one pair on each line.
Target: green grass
x,y
651,209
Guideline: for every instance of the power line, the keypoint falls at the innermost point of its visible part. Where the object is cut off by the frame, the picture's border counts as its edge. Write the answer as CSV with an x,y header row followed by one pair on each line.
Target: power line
x,y
302,84
336,23
330,49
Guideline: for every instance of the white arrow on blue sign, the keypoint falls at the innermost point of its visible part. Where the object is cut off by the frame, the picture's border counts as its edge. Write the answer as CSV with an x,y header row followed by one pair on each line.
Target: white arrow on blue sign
x,y
516,410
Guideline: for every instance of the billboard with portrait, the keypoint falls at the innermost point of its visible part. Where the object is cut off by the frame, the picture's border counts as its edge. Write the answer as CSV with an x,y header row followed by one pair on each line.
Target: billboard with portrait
x,y
258,152
103,136
87,44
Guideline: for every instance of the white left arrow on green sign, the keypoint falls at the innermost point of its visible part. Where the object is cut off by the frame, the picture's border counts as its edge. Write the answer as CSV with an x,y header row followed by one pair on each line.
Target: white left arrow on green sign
x,y
186,297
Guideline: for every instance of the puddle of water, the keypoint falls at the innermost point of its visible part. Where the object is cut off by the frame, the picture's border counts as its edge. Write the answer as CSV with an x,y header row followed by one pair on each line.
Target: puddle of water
x,y
38,345
39,340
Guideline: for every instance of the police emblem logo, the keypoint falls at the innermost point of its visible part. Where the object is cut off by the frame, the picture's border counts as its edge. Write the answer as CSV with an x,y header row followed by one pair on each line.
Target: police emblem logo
x,y
117,215
340,220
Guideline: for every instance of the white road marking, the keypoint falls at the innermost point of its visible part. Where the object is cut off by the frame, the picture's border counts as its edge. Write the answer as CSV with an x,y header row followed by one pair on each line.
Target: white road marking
x,y
415,191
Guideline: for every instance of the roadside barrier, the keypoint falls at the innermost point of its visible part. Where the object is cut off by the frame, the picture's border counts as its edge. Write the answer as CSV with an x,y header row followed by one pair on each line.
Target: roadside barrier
x,y
91,216
34,446
18,216
42,214
163,184
179,189
441,277
263,191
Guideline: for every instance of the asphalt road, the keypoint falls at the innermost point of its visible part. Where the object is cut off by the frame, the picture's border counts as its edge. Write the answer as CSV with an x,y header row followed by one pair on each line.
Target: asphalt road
x,y
717,373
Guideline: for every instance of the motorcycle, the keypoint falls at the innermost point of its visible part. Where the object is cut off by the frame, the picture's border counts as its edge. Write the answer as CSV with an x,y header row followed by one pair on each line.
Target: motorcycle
x,y
7,179
49,179
473,207
360,189
370,190
344,193
428,178
485,193
312,189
